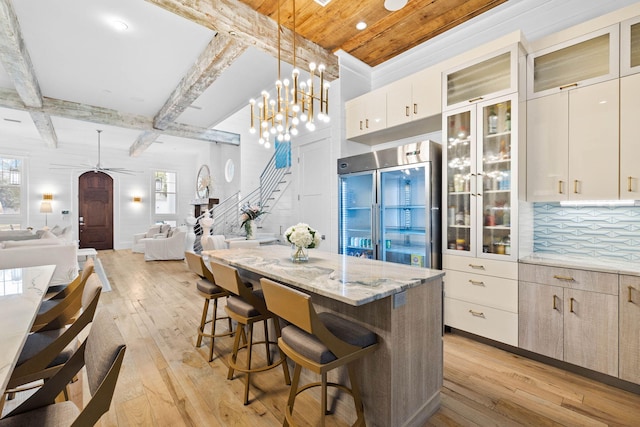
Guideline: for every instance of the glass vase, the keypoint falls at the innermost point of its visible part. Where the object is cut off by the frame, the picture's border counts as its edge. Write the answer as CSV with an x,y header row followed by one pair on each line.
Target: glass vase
x,y
250,228
299,254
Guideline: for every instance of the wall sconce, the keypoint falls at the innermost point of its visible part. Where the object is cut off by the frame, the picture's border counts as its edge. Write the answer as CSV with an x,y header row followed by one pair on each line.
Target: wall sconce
x,y
47,196
137,199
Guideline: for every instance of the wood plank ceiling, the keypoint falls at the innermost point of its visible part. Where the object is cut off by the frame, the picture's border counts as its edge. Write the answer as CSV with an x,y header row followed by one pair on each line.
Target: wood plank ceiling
x,y
387,35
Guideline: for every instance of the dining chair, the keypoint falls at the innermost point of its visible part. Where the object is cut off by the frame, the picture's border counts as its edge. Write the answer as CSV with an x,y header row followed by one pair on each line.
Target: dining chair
x,y
61,309
319,342
46,351
102,353
208,289
247,306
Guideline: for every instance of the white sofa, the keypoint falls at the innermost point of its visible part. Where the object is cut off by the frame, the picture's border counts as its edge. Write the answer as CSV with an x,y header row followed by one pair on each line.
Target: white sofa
x,y
157,231
29,253
166,248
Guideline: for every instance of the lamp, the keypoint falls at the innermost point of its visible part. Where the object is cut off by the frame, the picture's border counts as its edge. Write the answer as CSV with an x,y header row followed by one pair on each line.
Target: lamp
x,y
45,208
292,104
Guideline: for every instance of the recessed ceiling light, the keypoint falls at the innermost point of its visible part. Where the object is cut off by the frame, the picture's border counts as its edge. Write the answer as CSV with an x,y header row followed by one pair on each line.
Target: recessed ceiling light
x,y
361,25
393,5
322,3
119,25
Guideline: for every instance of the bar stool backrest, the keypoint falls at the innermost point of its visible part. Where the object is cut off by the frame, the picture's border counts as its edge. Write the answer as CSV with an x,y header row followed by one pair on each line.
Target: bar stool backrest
x,y
227,278
296,308
194,261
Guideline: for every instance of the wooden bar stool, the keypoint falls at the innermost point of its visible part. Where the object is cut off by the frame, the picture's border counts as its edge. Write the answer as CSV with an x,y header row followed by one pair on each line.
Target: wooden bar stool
x,y
319,342
247,307
208,289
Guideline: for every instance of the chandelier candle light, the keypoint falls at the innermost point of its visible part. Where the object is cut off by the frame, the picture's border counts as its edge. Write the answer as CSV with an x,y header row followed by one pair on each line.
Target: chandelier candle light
x,y
294,101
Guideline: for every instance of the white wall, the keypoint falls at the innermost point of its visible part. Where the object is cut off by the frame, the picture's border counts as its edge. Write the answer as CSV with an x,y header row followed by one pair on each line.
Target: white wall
x,y
129,217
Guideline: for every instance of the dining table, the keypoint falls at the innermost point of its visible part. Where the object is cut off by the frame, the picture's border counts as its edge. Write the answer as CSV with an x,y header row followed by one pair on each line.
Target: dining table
x,y
21,293
401,380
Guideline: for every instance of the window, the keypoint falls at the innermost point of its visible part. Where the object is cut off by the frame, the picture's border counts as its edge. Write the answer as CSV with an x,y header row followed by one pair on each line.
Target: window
x,y
165,191
10,185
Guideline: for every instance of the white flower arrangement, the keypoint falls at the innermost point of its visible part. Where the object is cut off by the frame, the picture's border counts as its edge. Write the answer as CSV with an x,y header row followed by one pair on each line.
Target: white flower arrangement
x,y
302,236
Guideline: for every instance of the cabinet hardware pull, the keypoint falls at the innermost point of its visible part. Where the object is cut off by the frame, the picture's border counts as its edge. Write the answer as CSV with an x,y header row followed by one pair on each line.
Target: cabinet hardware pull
x,y
568,86
367,123
477,266
630,299
575,186
476,99
569,278
415,108
476,282
406,111
629,189
360,124
571,305
476,313
555,305
560,187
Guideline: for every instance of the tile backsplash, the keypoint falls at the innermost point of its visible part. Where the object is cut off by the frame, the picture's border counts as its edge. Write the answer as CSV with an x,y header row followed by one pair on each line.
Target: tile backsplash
x,y
595,231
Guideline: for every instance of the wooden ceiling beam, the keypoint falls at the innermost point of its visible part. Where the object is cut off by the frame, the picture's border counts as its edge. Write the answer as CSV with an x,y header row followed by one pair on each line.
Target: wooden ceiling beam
x,y
219,54
88,113
253,29
17,63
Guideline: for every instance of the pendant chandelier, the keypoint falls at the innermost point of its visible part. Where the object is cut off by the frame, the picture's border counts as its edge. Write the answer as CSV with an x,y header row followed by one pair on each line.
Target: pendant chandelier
x,y
294,102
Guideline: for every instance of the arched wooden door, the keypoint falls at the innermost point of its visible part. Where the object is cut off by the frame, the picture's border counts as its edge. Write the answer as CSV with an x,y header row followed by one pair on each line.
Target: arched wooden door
x,y
95,220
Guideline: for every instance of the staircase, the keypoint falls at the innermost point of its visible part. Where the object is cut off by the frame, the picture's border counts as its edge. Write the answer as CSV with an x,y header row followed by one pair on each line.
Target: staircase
x,y
273,181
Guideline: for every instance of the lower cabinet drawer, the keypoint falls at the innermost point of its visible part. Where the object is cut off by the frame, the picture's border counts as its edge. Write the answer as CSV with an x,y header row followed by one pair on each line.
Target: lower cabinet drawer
x,y
498,325
491,291
489,267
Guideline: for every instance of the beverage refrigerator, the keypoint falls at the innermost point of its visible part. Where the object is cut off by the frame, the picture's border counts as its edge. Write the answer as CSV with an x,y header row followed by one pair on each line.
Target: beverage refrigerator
x,y
389,204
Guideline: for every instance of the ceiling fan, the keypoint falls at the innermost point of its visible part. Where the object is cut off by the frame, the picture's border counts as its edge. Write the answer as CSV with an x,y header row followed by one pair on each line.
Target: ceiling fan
x,y
98,166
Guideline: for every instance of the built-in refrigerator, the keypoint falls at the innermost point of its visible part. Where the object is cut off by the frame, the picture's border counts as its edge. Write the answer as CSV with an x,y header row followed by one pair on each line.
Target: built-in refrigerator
x,y
389,207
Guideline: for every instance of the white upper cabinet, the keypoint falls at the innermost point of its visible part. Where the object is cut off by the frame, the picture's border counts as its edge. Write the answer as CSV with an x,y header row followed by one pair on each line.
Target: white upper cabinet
x,y
572,144
366,113
414,97
629,146
586,60
493,75
630,46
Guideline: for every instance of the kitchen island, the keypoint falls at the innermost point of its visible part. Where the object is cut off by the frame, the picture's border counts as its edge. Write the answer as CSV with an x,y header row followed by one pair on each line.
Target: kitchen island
x,y
401,380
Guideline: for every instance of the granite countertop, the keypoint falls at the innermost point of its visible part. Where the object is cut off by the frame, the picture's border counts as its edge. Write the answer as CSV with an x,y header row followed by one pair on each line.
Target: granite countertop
x,y
585,263
351,280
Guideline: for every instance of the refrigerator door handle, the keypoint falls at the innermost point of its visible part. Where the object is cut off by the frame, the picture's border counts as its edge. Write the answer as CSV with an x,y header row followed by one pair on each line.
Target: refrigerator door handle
x,y
375,224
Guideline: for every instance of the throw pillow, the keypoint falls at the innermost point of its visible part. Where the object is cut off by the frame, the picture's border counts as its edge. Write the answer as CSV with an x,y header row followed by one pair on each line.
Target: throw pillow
x,y
153,231
164,229
48,235
56,230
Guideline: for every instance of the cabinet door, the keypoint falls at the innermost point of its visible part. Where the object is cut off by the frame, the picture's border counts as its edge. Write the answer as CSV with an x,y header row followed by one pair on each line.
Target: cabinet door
x,y
630,46
426,93
399,104
591,330
540,319
594,142
630,328
375,105
548,148
354,117
629,138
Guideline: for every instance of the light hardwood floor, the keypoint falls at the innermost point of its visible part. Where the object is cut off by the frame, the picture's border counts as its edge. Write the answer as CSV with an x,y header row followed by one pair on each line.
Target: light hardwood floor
x,y
165,380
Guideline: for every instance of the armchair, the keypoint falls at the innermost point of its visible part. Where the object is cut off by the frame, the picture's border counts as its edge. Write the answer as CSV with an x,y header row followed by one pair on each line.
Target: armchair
x,y
169,248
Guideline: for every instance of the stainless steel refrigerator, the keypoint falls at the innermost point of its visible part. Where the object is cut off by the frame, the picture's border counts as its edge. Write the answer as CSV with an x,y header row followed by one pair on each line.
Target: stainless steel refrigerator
x,y
389,207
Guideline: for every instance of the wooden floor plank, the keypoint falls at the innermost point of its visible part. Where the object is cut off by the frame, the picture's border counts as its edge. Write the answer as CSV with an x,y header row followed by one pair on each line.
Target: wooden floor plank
x,y
166,380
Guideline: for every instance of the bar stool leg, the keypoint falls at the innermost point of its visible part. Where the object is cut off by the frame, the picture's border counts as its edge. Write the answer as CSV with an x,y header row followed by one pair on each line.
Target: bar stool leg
x,y
203,321
292,394
285,366
248,375
323,398
355,391
266,341
213,327
236,346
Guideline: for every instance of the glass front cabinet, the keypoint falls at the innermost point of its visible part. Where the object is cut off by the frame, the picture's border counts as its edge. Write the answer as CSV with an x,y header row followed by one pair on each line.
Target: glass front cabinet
x,y
481,179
